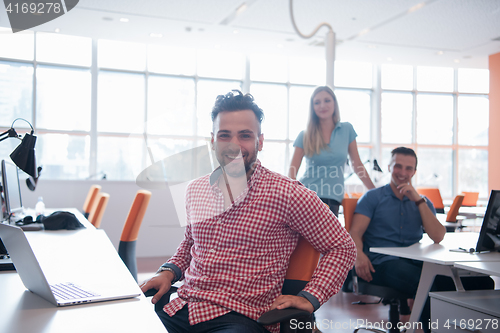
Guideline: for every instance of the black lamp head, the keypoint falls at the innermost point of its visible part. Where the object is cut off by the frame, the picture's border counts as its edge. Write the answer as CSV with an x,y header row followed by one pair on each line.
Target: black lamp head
x,y
24,155
376,167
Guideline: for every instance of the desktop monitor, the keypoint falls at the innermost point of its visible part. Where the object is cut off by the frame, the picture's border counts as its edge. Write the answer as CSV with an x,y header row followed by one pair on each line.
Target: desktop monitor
x,y
11,188
489,237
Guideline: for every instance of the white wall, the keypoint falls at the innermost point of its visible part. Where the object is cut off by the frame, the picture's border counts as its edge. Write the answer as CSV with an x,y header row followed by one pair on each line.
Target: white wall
x,y
160,233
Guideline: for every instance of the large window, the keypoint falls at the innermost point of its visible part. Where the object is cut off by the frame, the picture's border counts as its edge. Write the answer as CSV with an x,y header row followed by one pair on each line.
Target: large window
x,y
355,108
63,121
171,106
63,99
16,92
397,117
134,104
434,119
121,102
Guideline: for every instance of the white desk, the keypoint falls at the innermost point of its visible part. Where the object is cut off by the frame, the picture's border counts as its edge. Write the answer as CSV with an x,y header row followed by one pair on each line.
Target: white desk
x,y
49,211
438,260
24,312
484,267
470,311
21,311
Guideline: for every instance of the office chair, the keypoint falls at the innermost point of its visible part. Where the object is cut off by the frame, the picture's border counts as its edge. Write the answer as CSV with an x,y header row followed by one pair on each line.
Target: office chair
x,y
355,195
128,239
89,200
349,205
97,211
434,195
470,199
387,296
452,224
303,262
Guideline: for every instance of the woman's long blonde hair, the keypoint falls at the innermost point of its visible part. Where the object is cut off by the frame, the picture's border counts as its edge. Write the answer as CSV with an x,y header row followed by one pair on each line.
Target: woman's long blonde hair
x,y
313,138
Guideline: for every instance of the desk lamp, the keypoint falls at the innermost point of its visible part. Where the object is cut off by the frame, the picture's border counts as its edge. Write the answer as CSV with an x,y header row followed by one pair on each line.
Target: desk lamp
x,y
376,167
24,155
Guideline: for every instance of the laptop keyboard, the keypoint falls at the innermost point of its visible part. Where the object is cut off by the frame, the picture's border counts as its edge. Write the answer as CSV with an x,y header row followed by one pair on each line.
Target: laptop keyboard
x,y
65,291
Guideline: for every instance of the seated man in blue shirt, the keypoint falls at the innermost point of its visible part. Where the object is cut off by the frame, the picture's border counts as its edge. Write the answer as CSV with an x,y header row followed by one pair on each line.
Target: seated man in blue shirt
x,y
395,215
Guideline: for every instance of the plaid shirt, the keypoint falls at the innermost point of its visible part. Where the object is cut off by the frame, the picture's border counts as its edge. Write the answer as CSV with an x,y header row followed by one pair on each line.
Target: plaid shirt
x,y
236,259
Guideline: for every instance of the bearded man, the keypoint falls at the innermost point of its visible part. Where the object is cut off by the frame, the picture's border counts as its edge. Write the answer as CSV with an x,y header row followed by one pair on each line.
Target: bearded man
x,y
243,223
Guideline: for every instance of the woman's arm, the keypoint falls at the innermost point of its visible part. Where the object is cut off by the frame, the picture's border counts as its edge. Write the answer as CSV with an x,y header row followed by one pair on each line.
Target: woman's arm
x,y
358,166
298,154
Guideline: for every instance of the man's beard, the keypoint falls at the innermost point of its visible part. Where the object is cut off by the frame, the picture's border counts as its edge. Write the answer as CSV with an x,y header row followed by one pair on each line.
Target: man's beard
x,y
238,167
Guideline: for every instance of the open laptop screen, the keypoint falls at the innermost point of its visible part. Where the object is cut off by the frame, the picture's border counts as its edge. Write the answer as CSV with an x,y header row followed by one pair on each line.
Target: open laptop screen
x,y
11,188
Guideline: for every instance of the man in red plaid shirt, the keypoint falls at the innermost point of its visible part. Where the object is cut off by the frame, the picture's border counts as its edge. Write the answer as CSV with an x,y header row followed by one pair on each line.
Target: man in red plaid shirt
x,y
244,222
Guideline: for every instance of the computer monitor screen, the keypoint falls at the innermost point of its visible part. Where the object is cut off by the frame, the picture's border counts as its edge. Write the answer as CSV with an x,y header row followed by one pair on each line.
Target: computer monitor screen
x,y
11,188
489,237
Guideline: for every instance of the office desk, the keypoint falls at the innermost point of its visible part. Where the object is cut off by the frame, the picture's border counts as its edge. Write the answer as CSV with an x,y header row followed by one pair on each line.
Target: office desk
x,y
6,263
438,260
21,311
48,211
483,267
24,312
470,311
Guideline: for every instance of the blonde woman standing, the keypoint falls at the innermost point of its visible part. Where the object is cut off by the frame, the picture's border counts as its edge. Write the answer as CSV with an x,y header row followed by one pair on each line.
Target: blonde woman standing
x,y
325,145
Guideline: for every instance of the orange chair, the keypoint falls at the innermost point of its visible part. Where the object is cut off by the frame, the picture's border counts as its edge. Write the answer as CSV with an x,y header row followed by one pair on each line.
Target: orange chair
x,y
433,194
130,232
89,201
349,205
302,264
353,195
97,211
452,224
455,206
470,199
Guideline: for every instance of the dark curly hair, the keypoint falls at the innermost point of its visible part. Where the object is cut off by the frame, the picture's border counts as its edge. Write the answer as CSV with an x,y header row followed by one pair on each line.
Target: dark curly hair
x,y
236,101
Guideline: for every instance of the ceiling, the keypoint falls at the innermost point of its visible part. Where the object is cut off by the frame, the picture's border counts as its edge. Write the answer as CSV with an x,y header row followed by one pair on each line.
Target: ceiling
x,y
452,33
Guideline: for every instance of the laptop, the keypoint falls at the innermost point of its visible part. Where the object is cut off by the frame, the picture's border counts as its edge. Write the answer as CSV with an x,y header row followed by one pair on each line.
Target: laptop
x,y
114,283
